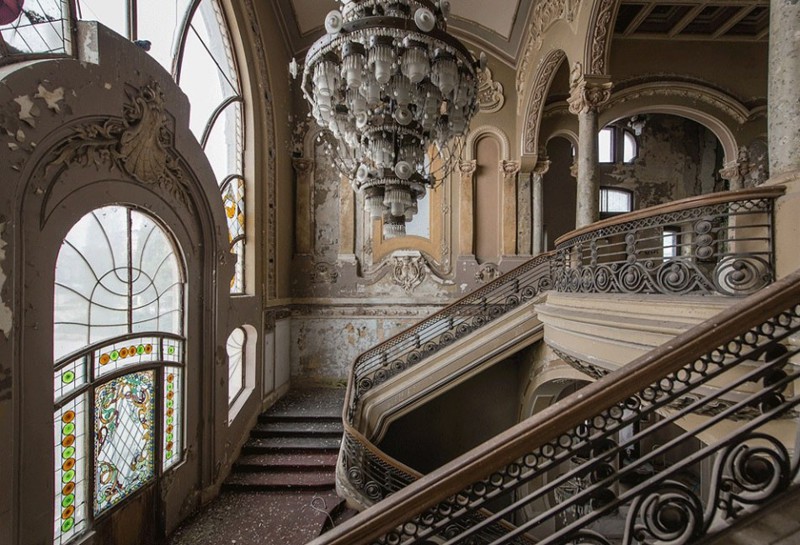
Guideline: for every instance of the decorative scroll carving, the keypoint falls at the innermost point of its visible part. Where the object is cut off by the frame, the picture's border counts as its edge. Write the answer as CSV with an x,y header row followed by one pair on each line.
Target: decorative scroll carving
x,y
487,272
543,78
140,144
600,32
587,93
408,272
490,92
467,168
510,168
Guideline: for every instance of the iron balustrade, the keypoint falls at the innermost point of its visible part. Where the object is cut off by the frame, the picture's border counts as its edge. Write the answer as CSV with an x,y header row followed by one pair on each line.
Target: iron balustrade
x,y
715,244
673,447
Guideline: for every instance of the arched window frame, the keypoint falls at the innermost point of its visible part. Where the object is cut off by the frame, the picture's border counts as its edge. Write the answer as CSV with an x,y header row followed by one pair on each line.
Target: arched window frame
x,y
612,143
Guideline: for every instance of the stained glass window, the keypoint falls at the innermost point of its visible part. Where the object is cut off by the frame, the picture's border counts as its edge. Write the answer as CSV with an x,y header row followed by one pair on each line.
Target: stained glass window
x,y
119,361
192,40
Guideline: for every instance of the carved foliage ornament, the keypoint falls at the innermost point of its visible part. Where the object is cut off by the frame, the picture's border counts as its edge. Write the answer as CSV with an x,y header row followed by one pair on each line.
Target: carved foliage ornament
x,y
544,75
139,144
490,92
600,36
587,93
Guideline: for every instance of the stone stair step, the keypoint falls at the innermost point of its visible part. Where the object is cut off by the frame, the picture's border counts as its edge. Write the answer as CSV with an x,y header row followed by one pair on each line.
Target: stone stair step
x,y
291,480
298,429
284,462
292,444
270,417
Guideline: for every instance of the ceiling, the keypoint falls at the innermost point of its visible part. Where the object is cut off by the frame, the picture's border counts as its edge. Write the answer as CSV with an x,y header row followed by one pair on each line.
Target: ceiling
x,y
495,25
719,20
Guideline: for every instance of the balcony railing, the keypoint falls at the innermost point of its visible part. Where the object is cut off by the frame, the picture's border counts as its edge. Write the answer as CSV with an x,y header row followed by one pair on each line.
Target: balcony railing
x,y
739,225
655,452
712,244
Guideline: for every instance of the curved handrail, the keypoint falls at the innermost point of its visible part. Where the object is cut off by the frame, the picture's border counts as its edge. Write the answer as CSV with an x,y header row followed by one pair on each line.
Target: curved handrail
x,y
381,475
763,192
427,337
756,327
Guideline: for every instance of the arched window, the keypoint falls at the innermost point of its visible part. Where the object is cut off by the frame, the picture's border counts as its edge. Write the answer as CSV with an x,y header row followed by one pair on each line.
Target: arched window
x,y
616,145
118,353
192,39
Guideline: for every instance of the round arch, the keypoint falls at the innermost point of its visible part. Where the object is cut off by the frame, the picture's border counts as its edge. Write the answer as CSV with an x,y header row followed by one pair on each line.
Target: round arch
x,y
542,81
477,134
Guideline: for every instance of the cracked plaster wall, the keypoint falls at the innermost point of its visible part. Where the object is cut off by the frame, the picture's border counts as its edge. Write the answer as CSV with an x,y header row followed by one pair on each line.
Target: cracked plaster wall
x,y
677,158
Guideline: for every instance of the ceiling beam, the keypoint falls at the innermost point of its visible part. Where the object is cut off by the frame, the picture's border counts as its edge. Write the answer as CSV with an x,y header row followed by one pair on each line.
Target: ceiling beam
x,y
643,14
730,23
686,19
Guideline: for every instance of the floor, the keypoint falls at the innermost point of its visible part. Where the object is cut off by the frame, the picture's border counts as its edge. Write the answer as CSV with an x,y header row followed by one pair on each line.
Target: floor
x,y
268,518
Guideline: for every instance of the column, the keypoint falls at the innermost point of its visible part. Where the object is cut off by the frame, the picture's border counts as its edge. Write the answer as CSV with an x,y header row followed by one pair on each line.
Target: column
x,y
466,219
524,212
510,170
304,169
587,93
541,168
783,95
737,171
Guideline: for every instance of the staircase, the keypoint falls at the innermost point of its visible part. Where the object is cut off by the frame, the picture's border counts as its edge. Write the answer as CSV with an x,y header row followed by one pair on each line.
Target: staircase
x,y
281,490
289,452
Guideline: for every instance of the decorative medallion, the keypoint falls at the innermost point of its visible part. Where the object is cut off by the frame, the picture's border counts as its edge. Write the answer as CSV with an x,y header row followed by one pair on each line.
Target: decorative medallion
x,y
487,272
408,271
490,92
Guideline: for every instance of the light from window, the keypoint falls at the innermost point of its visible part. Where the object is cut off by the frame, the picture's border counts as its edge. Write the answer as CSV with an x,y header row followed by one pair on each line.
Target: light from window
x,y
606,145
628,147
669,243
235,349
615,201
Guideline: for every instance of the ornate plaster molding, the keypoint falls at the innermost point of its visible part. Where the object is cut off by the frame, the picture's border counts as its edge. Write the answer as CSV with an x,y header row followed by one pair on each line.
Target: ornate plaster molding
x,y
302,166
510,168
324,273
490,92
533,117
487,272
746,170
587,93
467,168
497,132
408,271
545,14
600,36
139,144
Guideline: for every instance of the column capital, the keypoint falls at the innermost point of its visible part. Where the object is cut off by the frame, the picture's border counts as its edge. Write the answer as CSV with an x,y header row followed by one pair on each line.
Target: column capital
x,y
510,168
303,166
542,166
587,92
467,168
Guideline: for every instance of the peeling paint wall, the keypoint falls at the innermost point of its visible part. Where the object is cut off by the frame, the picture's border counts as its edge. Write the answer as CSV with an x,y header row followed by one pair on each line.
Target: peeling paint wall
x,y
677,158
325,206
6,316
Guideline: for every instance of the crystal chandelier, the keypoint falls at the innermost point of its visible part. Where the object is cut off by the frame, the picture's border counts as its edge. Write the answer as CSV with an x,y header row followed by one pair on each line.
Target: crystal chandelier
x,y
397,92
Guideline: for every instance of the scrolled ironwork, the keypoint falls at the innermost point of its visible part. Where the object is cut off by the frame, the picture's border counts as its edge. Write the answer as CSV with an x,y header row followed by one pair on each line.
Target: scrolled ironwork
x,y
722,248
631,459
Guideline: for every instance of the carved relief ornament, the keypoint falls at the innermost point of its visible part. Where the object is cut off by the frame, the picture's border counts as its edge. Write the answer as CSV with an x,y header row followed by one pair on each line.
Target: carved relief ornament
x,y
545,14
543,78
467,168
587,93
408,272
600,32
139,144
487,272
490,92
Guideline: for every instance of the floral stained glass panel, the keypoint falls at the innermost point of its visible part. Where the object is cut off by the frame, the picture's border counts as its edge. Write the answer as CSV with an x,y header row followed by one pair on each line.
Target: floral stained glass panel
x,y
173,416
124,427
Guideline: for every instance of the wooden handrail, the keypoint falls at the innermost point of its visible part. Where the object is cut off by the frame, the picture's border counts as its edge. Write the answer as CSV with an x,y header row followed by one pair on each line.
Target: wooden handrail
x,y
547,425
767,192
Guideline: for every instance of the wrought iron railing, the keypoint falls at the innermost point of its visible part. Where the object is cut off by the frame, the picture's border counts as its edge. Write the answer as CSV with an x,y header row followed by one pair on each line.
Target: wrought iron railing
x,y
740,225
673,447
714,244
441,329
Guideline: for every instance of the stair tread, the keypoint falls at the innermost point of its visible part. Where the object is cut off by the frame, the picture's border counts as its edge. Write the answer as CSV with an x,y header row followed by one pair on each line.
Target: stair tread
x,y
286,479
305,443
282,461
300,427
286,417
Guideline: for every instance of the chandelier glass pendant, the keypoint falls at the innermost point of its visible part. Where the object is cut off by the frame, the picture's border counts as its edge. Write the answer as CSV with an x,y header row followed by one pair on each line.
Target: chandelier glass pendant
x,y
397,92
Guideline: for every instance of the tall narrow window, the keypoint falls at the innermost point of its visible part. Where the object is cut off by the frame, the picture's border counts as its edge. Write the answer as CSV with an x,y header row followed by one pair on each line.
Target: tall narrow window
x,y
192,40
118,352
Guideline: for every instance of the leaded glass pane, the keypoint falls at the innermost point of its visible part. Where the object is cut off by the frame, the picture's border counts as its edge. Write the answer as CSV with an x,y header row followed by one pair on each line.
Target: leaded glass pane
x,y
38,26
69,427
173,416
223,147
237,282
115,356
172,350
209,25
69,378
124,447
235,349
